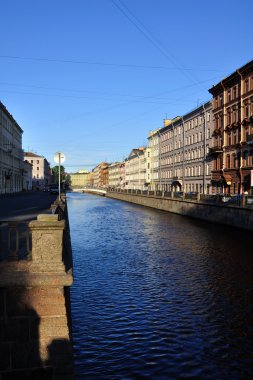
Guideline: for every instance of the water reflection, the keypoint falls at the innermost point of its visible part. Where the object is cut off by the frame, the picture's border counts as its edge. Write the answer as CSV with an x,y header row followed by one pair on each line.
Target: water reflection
x,y
157,295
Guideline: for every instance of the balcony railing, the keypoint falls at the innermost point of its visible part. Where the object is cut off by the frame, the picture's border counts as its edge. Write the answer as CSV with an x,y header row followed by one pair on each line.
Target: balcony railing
x,y
215,150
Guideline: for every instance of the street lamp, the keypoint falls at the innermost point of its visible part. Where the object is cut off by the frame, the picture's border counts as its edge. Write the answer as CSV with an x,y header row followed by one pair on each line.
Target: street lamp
x,y
59,158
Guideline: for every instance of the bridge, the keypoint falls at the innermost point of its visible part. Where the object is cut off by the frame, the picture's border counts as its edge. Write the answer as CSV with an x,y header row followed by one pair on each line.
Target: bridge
x,y
91,191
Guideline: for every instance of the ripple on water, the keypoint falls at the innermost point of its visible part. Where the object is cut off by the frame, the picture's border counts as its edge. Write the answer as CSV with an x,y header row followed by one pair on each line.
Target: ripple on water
x,y
158,296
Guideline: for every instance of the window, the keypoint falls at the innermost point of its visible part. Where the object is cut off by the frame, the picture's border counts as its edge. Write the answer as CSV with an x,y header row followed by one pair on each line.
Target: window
x,y
234,92
38,168
228,161
38,161
229,95
246,87
228,116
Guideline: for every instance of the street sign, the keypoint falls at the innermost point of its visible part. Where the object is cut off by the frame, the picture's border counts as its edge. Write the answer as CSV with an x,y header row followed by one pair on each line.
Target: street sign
x,y
59,158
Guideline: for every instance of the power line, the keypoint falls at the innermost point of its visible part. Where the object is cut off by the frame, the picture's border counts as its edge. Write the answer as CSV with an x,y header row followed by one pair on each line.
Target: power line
x,y
148,35
72,61
139,98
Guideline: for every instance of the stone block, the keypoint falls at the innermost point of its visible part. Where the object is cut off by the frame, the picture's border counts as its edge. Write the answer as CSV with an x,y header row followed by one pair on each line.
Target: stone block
x,y
32,374
18,303
5,356
25,355
14,330
2,302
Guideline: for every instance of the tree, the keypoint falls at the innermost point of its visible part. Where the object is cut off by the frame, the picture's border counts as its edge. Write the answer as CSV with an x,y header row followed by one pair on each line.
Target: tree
x,y
56,173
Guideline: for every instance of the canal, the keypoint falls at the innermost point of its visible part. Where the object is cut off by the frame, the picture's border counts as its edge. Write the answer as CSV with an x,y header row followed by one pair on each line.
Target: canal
x,y
158,295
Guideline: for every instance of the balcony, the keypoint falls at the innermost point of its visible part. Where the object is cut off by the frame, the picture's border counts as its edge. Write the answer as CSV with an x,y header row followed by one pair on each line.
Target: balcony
x,y
215,150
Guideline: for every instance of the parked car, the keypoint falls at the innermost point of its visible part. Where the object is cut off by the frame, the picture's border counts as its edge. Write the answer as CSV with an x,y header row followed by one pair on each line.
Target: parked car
x,y
54,189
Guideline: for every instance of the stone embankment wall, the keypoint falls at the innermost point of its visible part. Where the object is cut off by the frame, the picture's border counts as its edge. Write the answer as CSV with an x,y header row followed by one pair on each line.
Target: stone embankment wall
x,y
35,319
218,213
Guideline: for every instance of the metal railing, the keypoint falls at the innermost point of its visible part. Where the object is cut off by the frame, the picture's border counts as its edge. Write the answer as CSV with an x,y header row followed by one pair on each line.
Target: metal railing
x,y
223,199
16,237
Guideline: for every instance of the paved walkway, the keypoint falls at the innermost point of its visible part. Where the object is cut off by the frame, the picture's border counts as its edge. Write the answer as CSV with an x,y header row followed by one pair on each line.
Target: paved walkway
x,y
25,206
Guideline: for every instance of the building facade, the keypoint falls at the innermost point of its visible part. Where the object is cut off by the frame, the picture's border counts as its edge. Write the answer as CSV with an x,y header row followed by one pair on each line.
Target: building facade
x,y
11,154
41,172
135,170
232,151
78,180
114,175
100,175
27,176
184,146
154,161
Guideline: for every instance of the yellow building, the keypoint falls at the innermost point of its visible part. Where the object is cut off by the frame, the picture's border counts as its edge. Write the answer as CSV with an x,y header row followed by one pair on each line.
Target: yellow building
x,y
80,179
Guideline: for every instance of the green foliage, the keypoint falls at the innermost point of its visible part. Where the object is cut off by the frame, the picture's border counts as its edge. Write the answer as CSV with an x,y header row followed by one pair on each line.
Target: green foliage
x,y
55,170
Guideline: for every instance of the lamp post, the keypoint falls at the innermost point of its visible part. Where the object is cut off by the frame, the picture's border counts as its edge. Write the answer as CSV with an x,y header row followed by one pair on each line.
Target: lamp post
x,y
59,158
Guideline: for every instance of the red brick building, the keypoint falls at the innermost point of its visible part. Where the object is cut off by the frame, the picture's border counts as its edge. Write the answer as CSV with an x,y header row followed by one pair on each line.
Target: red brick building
x,y
232,151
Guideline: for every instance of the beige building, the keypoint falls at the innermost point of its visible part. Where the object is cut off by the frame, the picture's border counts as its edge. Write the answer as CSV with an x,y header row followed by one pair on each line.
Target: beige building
x,y
135,170
114,175
153,160
41,172
79,180
100,175
184,146
11,154
27,176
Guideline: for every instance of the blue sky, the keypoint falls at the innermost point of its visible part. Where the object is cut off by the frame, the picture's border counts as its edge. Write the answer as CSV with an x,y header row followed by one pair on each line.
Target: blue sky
x,y
91,78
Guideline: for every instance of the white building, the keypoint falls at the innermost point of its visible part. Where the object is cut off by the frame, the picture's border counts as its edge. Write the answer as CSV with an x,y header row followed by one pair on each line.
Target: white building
x,y
153,160
11,154
27,176
41,173
135,170
114,175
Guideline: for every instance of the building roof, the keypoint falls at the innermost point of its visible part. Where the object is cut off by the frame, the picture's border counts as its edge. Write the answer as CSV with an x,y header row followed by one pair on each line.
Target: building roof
x,y
232,78
31,154
4,109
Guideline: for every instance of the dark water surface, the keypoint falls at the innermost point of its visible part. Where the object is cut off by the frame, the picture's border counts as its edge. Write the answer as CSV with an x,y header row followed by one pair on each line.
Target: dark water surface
x,y
157,295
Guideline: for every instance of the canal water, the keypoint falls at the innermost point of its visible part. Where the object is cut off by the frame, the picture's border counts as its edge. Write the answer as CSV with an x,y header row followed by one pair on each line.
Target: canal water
x,y
157,295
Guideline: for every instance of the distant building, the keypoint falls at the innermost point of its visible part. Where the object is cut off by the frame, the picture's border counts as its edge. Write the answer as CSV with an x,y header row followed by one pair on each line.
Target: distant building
x,y
79,180
11,154
100,175
154,153
114,175
41,172
27,176
232,151
183,152
135,169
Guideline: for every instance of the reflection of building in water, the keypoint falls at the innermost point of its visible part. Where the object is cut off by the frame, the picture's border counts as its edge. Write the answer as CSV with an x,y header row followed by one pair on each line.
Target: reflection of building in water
x,y
11,154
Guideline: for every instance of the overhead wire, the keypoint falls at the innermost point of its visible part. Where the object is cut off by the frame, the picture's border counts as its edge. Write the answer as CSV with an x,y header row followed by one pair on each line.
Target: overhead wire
x,y
80,62
149,36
